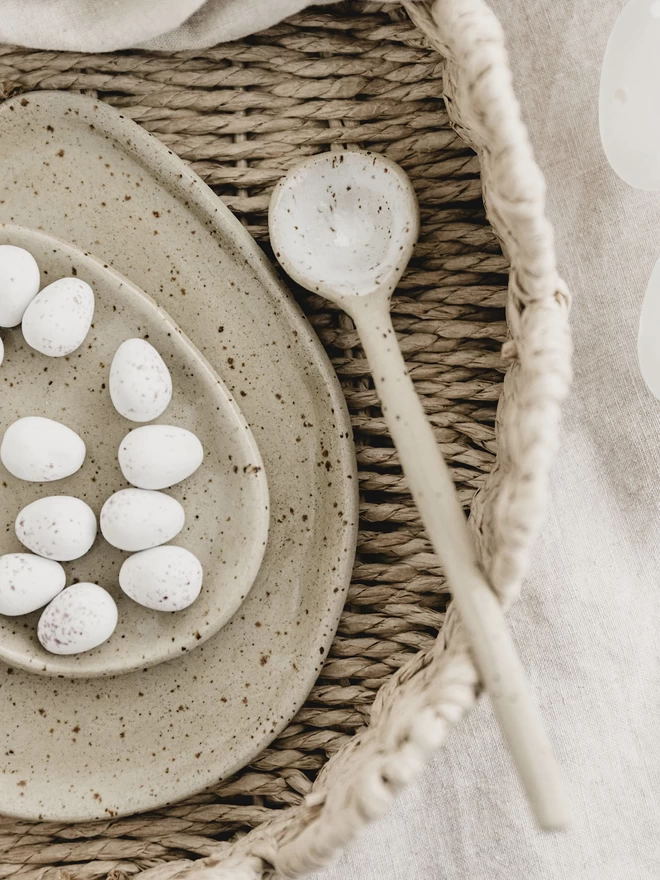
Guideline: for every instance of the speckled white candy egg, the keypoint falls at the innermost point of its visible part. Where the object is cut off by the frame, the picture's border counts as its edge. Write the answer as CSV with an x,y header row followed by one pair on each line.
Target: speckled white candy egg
x,y
164,578
28,582
58,527
57,320
19,283
140,383
41,450
137,519
80,618
159,456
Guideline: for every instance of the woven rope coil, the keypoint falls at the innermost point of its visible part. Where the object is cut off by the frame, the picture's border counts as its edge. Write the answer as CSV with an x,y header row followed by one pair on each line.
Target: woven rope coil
x,y
241,114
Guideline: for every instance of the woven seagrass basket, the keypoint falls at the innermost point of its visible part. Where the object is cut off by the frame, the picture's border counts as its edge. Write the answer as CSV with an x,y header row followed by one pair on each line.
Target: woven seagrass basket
x,y
428,86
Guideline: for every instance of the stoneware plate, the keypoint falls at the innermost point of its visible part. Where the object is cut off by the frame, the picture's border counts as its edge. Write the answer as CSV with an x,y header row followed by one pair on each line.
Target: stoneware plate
x,y
225,500
75,168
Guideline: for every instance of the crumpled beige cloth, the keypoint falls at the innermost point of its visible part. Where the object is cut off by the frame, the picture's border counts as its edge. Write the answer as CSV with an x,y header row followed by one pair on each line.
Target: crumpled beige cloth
x,y
109,25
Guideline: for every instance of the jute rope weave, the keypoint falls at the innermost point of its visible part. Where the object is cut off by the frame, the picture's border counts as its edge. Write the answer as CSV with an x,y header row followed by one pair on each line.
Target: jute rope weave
x,y
364,75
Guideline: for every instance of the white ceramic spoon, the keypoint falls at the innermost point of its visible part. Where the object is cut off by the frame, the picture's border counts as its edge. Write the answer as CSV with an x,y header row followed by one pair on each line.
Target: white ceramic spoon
x,y
343,224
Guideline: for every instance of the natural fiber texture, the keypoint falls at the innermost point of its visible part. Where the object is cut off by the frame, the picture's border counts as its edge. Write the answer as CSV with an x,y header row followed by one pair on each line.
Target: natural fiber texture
x,y
242,114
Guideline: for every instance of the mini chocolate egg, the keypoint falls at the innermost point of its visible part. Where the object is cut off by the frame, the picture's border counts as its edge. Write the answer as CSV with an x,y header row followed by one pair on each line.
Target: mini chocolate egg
x,y
58,319
28,582
163,578
19,283
140,383
57,527
41,450
137,519
2,351
80,618
159,456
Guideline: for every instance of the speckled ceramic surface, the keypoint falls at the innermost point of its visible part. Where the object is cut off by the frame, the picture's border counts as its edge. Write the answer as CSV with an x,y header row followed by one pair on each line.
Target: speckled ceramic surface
x,y
98,747
225,500
344,224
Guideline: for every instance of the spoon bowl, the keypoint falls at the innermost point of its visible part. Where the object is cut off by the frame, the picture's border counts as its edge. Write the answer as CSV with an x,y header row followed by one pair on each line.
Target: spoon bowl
x,y
344,224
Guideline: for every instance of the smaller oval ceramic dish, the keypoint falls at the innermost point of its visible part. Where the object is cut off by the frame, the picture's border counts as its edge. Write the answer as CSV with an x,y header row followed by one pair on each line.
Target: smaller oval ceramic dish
x,y
225,500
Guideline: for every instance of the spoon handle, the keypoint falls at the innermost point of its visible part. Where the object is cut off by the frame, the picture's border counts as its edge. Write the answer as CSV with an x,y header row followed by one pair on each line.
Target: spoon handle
x,y
434,494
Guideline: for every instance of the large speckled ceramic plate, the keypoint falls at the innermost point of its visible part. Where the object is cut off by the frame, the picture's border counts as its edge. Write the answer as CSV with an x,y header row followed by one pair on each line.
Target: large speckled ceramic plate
x,y
75,168
225,500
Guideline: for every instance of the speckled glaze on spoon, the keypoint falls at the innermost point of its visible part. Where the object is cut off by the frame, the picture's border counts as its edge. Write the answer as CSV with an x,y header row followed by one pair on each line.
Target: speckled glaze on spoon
x,y
344,224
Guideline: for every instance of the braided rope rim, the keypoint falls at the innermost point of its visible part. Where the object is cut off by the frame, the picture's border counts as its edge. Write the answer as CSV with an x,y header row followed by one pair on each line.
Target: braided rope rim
x,y
416,707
